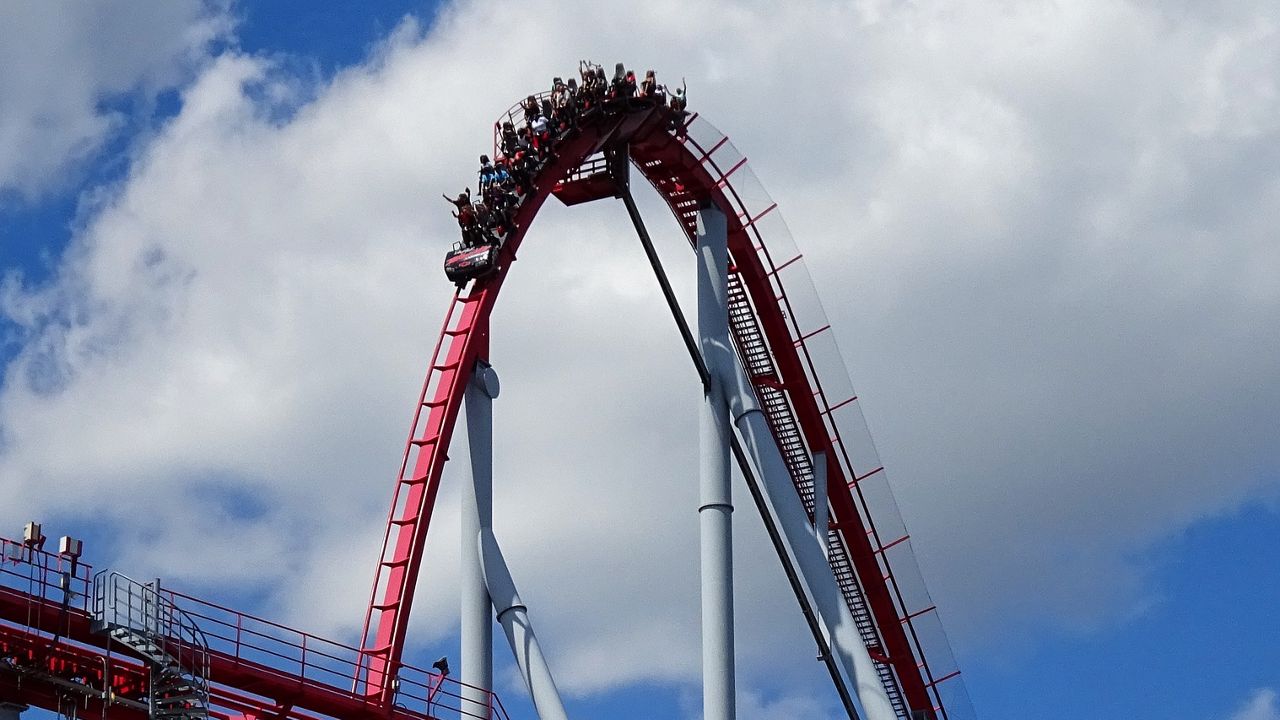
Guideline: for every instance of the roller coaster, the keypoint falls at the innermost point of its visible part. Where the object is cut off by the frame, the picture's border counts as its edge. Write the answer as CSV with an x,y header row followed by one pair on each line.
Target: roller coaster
x,y
778,400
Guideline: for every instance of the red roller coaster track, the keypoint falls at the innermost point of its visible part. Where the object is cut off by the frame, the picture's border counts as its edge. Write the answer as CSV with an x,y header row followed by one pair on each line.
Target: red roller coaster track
x,y
49,651
872,559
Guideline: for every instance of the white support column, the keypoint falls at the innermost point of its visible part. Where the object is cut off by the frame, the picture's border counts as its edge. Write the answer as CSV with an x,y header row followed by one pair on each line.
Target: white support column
x,y
514,618
716,503
477,516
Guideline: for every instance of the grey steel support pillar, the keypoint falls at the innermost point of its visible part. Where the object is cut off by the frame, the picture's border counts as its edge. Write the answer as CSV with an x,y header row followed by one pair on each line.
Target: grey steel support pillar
x,y
514,618
11,711
477,515
715,509
806,552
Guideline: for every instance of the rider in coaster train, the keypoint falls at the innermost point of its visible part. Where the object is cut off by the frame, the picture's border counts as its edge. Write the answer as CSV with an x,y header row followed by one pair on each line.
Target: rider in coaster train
x,y
507,180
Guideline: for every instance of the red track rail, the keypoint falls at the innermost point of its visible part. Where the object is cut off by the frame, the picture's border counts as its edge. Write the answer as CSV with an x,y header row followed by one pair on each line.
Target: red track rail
x,y
686,171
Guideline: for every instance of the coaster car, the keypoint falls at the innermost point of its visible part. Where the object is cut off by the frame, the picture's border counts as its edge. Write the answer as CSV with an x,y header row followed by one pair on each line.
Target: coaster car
x,y
468,262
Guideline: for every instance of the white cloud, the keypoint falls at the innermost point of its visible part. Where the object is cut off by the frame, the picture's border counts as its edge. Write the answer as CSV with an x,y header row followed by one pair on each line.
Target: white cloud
x,y
788,704
1040,232
754,706
65,62
1261,705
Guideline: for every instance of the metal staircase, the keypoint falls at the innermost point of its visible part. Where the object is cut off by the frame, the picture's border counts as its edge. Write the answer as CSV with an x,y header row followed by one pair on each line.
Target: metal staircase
x,y
139,617
786,430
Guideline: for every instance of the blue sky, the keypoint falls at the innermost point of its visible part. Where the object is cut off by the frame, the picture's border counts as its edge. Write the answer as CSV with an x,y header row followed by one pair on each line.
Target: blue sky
x,y
1043,232
329,35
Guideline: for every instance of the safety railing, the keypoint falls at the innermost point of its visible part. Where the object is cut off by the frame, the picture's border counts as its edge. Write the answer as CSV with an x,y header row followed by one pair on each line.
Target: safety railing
x,y
123,604
515,116
310,659
594,165
44,581
44,578
233,637
811,333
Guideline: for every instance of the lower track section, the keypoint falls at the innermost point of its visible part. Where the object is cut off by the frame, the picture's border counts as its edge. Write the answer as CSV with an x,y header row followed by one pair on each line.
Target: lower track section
x,y
52,656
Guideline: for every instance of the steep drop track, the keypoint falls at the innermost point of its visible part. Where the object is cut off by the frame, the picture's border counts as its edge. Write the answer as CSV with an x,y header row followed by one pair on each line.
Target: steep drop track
x,y
789,351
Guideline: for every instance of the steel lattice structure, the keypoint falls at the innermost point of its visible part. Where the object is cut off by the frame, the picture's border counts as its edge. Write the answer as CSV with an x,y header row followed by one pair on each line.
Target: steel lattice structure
x,y
50,649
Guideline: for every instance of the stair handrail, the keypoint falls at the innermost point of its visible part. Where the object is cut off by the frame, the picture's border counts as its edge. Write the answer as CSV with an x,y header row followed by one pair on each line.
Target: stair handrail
x,y
148,612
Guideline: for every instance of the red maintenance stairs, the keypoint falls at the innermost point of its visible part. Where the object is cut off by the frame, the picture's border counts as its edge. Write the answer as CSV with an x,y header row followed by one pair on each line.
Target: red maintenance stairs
x,y
85,643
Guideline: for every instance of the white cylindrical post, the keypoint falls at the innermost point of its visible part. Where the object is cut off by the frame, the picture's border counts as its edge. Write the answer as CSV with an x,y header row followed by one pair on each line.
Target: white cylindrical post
x,y
715,508
514,618
477,515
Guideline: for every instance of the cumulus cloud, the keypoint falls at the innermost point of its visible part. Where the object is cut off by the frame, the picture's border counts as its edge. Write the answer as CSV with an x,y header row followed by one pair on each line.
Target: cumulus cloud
x,y
1261,705
66,63
1040,232
753,706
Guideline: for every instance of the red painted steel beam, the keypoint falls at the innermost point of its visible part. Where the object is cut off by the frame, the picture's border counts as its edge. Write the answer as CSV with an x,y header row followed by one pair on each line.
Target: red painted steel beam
x,y
28,653
27,691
